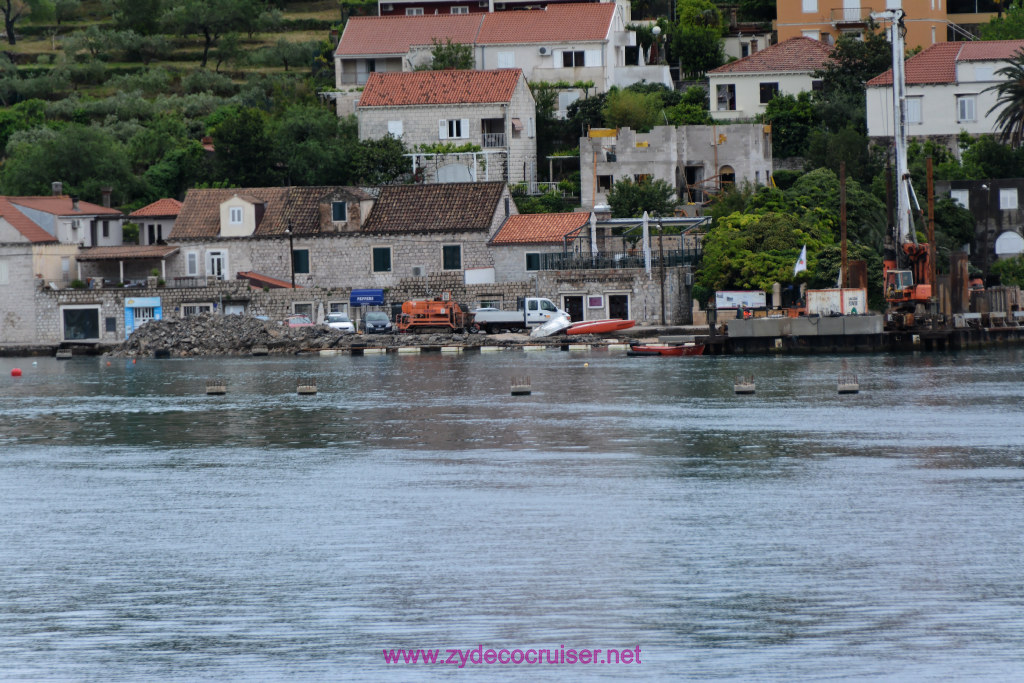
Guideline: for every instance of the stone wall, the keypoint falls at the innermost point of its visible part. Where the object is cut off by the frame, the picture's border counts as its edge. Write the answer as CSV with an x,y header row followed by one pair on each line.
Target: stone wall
x,y
17,305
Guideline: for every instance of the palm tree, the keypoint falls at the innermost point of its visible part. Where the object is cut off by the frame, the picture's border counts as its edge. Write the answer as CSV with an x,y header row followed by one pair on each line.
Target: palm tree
x,y
1010,121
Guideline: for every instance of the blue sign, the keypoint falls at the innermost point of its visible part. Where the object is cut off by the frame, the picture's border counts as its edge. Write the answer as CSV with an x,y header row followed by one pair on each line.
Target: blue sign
x,y
366,297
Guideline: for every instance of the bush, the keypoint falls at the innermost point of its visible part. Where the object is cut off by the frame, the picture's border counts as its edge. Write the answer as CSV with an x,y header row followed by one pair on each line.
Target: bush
x,y
204,81
785,179
77,284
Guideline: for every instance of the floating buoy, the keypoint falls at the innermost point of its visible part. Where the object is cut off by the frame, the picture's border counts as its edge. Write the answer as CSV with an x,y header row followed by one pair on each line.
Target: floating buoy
x,y
108,363
133,361
16,372
586,365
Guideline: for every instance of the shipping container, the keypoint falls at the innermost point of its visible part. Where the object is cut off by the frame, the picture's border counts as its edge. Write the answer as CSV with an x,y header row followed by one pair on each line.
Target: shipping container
x,y
837,301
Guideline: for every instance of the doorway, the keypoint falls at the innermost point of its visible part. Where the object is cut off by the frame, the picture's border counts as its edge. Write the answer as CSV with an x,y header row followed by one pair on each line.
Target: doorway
x,y
618,306
573,305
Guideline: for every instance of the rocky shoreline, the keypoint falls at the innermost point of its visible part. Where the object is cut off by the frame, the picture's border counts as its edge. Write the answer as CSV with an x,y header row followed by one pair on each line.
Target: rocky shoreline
x,y
236,335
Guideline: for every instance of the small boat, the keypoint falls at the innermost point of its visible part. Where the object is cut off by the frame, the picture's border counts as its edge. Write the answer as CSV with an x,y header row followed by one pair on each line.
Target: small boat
x,y
553,326
665,350
600,326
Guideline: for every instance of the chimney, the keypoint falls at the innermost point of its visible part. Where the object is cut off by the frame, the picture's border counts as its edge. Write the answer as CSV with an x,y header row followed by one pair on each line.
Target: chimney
x,y
57,187
753,46
106,192
74,203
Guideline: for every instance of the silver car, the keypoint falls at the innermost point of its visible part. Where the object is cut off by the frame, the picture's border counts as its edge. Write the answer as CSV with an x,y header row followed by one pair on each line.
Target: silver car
x,y
340,322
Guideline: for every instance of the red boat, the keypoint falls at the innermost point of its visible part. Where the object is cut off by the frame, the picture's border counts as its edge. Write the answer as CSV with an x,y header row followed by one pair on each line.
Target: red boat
x,y
665,350
599,326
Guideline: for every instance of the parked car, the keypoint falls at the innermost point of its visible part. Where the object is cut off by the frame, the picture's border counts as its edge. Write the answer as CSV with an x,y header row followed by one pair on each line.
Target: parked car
x,y
340,322
298,320
376,321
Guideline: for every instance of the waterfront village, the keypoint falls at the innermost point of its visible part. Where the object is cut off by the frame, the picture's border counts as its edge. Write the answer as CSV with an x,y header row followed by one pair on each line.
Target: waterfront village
x,y
455,233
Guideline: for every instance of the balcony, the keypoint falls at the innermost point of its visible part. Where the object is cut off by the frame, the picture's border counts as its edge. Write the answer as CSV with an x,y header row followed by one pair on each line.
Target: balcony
x,y
611,261
850,16
493,140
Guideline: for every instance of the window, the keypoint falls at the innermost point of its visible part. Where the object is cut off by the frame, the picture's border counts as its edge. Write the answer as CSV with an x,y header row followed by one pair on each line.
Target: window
x,y
235,215
80,322
744,50
217,264
4,277
1008,198
532,261
604,183
414,11
337,307
382,259
913,110
814,35
817,85
303,308
506,60
192,264
961,197
453,128
106,228
395,129
451,256
192,310
572,58
810,6
965,108
300,260
641,178
768,91
339,211
726,95
460,9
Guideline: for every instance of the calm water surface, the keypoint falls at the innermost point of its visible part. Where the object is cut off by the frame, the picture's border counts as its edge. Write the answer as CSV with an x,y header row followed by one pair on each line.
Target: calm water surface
x,y
151,532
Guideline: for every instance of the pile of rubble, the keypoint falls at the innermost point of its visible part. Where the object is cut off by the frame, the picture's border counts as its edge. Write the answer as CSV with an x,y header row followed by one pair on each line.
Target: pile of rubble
x,y
236,335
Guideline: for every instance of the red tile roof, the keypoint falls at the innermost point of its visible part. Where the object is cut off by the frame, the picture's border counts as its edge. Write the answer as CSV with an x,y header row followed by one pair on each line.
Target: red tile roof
x,y
435,207
390,35
540,228
793,55
161,208
61,205
395,35
28,229
126,252
937,63
298,206
397,89
558,23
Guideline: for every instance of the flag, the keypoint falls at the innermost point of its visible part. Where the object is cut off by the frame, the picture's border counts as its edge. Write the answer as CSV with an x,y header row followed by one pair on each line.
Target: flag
x,y
801,263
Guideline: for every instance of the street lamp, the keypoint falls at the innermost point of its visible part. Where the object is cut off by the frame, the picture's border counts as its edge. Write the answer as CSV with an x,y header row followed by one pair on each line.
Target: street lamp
x,y
291,251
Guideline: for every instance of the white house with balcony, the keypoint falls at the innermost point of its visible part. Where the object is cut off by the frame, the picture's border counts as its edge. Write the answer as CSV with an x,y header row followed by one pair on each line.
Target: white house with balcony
x,y
572,43
742,89
948,91
462,126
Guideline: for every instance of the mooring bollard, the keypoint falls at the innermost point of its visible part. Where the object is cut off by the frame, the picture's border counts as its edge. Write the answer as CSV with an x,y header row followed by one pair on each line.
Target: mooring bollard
x,y
521,386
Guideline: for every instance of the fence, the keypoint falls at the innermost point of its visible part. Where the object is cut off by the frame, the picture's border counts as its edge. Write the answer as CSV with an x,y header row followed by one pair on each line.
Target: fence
x,y
611,261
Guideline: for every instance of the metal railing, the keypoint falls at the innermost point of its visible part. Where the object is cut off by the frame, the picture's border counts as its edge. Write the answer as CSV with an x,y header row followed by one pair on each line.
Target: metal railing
x,y
850,15
608,261
493,140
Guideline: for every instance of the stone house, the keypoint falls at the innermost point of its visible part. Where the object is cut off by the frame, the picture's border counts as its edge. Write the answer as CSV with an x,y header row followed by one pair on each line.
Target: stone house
x,y
432,110
695,160
520,245
742,89
566,43
947,92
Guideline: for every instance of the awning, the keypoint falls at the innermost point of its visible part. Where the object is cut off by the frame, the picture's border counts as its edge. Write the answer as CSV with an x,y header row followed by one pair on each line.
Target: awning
x,y
517,124
125,253
366,297
259,281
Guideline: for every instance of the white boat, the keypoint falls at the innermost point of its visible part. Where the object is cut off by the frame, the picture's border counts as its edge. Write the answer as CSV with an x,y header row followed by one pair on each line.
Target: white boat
x,y
553,326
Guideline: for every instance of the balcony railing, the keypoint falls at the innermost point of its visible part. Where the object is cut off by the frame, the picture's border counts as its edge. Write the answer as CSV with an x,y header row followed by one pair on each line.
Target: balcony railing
x,y
494,140
850,15
608,261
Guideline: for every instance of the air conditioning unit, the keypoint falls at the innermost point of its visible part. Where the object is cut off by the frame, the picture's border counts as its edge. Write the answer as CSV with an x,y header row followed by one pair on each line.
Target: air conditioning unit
x,y
543,50
75,224
419,271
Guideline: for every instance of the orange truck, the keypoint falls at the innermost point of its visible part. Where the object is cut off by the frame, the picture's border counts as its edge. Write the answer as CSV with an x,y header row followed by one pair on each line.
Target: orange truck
x,y
432,316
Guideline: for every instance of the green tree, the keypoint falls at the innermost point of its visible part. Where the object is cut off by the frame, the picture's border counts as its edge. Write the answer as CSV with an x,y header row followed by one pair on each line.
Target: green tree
x,y
138,15
638,111
210,18
703,13
16,10
1008,26
1009,271
1010,101
381,162
792,118
757,10
855,61
314,146
449,55
827,150
243,152
37,157
630,200
698,49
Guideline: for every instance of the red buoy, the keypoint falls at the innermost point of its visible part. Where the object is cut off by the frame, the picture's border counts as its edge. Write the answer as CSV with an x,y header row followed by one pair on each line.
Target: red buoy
x,y
16,372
